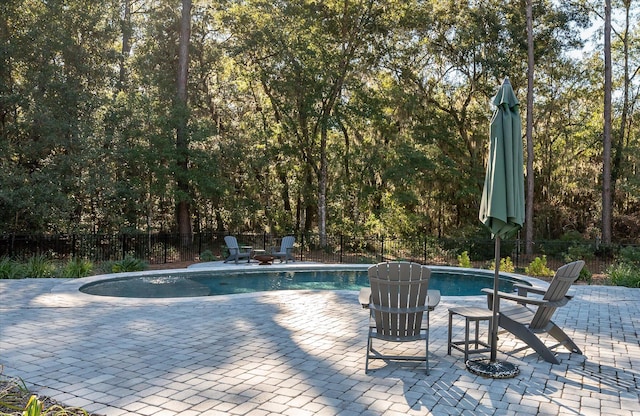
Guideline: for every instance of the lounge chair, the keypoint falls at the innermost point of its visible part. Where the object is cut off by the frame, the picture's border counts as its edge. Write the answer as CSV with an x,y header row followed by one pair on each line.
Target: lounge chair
x,y
236,252
398,300
526,323
286,249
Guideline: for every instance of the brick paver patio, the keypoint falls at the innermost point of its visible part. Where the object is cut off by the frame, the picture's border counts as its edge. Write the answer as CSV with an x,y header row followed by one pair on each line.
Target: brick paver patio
x,y
299,353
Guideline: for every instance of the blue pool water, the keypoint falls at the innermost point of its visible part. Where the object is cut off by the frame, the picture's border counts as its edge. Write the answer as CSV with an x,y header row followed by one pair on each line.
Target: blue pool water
x,y
167,285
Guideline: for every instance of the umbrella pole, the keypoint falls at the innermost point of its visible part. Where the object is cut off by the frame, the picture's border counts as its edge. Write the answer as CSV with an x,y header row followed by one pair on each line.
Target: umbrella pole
x,y
496,302
493,368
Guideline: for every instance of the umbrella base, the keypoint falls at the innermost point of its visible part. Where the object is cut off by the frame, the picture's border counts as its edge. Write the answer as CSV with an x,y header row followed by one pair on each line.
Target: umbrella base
x,y
492,369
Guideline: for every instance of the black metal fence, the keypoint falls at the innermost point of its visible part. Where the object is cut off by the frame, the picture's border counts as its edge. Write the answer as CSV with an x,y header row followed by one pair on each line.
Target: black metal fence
x,y
161,248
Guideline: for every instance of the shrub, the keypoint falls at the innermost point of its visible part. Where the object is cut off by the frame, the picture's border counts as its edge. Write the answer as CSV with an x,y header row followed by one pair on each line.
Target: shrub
x,y
128,264
77,268
626,271
39,266
506,265
10,269
580,252
629,255
538,267
207,255
624,274
463,260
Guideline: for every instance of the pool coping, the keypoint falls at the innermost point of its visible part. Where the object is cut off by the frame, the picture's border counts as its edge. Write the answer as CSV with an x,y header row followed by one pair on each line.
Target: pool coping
x,y
71,289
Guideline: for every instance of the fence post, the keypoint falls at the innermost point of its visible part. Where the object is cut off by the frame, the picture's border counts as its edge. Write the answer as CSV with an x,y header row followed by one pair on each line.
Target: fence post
x,y
381,248
164,247
424,250
341,246
124,243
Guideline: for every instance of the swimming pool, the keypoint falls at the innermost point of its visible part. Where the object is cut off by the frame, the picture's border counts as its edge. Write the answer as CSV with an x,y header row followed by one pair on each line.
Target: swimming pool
x,y
450,281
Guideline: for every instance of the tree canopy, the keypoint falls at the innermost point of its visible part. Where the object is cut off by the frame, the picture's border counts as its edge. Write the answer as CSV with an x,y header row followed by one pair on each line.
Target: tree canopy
x,y
333,116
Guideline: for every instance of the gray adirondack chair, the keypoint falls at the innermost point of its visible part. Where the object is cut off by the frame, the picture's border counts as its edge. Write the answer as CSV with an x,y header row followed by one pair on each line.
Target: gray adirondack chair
x,y
235,252
398,303
286,249
532,315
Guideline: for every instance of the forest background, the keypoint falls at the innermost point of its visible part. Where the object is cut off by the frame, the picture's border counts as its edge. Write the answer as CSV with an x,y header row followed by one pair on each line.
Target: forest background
x,y
350,117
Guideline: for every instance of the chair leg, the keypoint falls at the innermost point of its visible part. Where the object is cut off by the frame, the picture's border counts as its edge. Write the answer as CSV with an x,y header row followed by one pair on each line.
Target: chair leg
x,y
426,357
564,339
369,346
449,336
529,338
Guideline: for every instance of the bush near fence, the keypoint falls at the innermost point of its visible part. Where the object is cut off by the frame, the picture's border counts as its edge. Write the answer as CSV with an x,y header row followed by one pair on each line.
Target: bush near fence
x,y
162,248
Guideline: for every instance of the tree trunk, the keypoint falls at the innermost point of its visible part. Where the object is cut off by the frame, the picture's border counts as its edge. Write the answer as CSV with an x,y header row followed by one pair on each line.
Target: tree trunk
x,y
621,134
126,44
182,141
322,188
529,133
606,152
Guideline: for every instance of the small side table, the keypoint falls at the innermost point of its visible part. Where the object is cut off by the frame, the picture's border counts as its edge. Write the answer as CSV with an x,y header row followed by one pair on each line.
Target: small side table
x,y
470,314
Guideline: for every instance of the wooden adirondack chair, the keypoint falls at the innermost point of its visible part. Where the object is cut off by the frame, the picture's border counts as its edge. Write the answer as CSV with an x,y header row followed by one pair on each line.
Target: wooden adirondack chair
x,y
235,252
397,303
525,322
286,249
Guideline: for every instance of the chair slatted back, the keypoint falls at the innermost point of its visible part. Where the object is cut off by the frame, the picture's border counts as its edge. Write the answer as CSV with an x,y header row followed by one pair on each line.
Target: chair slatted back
x,y
232,244
398,290
287,242
565,276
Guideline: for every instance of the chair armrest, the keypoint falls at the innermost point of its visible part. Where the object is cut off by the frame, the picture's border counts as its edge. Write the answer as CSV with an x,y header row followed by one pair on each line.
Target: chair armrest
x,y
433,298
524,289
516,298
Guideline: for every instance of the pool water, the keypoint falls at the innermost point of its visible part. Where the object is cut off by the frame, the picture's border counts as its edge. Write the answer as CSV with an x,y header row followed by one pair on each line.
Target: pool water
x,y
167,285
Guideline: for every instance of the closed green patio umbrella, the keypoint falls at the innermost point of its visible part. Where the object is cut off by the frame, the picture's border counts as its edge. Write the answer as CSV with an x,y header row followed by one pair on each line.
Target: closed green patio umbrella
x,y
502,204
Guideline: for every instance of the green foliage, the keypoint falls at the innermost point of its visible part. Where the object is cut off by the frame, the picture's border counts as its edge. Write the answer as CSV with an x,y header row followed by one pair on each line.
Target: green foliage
x,y
39,266
207,255
10,269
337,89
624,274
34,407
581,252
506,265
629,255
15,396
626,271
77,268
538,267
464,260
128,264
